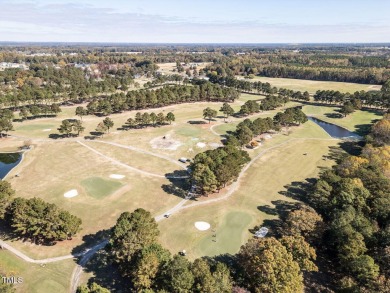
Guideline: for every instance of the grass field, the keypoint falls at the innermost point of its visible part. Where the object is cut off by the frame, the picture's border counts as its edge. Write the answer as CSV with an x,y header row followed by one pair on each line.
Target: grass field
x,y
99,188
358,121
259,187
54,167
228,236
52,277
312,86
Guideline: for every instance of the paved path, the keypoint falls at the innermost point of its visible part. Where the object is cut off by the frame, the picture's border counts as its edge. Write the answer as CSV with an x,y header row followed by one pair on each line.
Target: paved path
x,y
20,254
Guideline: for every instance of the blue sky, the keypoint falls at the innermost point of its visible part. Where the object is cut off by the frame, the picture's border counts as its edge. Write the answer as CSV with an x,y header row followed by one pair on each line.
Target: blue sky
x,y
196,21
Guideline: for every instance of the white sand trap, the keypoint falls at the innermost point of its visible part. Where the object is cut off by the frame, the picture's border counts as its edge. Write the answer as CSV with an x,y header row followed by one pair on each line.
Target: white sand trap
x,y
71,193
117,176
202,226
201,145
47,129
166,143
267,136
215,145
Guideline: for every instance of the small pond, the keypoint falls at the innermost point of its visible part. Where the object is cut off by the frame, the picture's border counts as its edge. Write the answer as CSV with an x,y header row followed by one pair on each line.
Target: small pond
x,y
334,130
8,161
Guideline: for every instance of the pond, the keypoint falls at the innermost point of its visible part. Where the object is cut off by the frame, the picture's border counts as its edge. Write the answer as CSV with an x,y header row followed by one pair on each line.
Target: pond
x,y
334,130
8,161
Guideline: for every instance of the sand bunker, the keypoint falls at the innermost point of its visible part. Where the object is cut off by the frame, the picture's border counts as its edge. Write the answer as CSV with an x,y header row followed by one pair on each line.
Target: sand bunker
x,y
202,226
117,176
215,145
267,136
200,145
166,143
47,129
71,193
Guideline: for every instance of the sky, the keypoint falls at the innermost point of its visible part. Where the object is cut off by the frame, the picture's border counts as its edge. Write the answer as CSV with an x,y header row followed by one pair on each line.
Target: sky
x,y
196,21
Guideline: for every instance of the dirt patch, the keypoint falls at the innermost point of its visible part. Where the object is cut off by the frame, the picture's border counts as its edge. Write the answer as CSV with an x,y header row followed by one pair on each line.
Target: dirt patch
x,y
165,143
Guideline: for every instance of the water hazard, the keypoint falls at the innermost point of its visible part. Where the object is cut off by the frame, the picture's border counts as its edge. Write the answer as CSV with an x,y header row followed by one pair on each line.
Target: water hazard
x,y
335,130
8,161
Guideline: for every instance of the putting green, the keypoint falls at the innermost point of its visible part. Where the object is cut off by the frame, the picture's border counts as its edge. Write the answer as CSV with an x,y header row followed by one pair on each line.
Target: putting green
x,y
228,235
99,188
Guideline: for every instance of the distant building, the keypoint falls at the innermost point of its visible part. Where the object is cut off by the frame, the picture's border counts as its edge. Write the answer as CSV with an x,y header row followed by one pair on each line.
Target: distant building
x,y
7,65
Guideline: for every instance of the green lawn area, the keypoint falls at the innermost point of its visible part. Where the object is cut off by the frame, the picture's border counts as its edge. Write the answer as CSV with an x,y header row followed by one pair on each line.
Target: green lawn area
x,y
52,277
99,188
358,121
229,235
312,86
259,186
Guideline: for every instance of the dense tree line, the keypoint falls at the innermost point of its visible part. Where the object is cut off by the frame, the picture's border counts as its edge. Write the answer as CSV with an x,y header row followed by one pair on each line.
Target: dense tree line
x,y
248,129
6,117
362,98
358,69
148,119
262,265
167,95
47,84
353,200
35,219
214,169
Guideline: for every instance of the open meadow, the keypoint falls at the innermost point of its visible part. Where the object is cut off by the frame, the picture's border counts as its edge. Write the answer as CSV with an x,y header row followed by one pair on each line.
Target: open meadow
x,y
312,85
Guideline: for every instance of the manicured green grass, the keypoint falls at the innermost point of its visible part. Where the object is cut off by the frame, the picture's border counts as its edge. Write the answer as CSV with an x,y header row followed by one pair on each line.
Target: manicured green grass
x,y
261,185
358,121
99,188
52,277
312,86
229,235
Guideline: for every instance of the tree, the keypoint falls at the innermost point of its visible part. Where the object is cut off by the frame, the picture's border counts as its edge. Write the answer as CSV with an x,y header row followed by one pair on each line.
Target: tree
x,y
364,268
178,276
131,233
244,135
149,262
23,113
227,110
222,280
145,119
170,117
93,288
5,125
304,221
203,279
209,113
108,123
6,193
160,118
205,179
80,111
131,123
347,109
381,131
301,251
267,266
78,127
41,221
66,127
153,118
101,128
